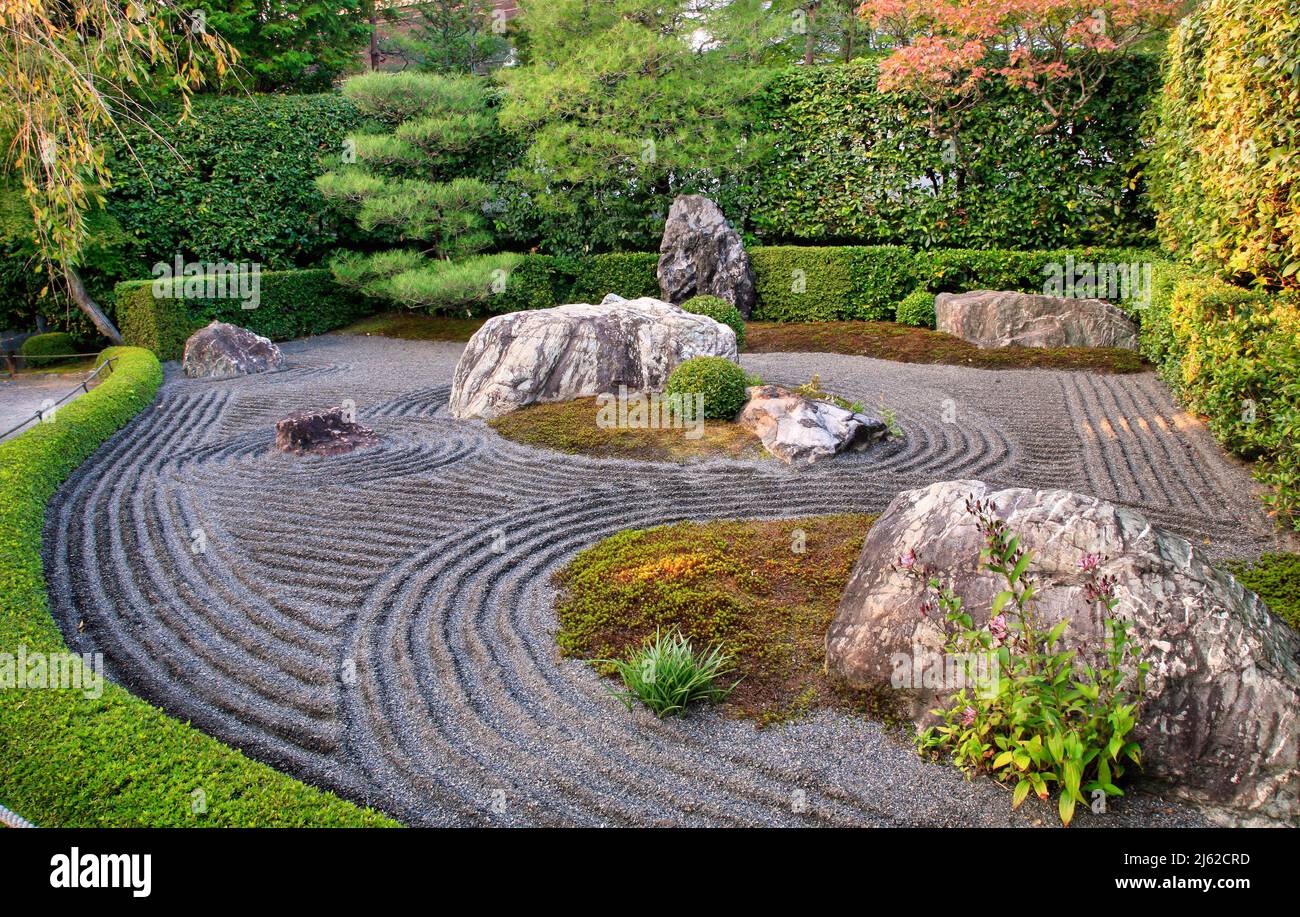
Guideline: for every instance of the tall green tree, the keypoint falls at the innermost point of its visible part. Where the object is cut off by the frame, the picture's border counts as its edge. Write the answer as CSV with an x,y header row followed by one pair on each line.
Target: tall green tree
x,y
406,187
623,99
298,45
452,36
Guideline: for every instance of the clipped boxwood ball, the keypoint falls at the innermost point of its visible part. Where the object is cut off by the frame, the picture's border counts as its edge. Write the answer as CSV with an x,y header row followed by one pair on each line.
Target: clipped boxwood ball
x,y
917,310
721,382
718,309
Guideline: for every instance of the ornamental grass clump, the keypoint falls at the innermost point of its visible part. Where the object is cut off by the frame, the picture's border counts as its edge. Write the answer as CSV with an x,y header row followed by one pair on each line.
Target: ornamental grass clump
x,y
667,673
1047,717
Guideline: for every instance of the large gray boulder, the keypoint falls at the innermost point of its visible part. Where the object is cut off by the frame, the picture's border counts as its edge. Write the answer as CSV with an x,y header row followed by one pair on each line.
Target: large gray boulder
x,y
579,350
701,254
221,350
1221,719
992,318
799,429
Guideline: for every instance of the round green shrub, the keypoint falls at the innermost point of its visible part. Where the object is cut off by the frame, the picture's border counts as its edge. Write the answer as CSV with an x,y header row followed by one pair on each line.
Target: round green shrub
x,y
718,309
721,382
917,309
43,349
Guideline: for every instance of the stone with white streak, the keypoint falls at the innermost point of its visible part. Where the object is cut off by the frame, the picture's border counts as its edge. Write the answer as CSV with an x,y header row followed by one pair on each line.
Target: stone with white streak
x,y
222,350
579,350
1220,723
799,429
700,254
992,318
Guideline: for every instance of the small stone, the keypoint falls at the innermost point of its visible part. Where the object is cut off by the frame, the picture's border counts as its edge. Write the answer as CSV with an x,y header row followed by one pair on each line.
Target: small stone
x,y
795,428
326,432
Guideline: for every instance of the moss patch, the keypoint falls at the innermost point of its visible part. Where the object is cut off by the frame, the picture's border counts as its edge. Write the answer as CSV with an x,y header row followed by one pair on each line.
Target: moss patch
x,y
570,426
1275,578
412,326
743,584
904,344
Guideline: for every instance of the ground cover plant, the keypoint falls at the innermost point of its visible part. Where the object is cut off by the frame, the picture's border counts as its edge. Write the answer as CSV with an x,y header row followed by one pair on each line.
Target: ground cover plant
x,y
764,592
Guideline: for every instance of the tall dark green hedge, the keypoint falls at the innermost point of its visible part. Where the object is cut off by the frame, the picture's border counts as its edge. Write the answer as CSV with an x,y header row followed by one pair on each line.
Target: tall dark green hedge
x,y
237,183
856,165
293,304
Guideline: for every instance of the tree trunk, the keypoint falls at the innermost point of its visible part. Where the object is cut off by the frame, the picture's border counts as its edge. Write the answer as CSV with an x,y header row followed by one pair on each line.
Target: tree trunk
x,y
810,38
79,295
374,36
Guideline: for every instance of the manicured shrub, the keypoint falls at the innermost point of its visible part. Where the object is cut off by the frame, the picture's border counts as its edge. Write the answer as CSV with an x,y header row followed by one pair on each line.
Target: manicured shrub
x,y
1225,170
667,674
721,382
44,349
74,760
799,284
1275,578
627,274
293,304
917,309
718,309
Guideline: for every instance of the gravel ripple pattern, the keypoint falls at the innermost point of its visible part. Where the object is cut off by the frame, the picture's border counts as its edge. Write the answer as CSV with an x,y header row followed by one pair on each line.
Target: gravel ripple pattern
x,y
381,623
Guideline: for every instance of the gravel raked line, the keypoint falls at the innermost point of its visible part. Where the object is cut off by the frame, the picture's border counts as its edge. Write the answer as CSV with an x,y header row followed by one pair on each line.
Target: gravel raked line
x,y
382,623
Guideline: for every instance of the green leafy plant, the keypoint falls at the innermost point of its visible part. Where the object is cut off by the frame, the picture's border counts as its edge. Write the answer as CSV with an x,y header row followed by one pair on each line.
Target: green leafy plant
x,y
917,310
667,674
1044,716
718,309
813,389
720,381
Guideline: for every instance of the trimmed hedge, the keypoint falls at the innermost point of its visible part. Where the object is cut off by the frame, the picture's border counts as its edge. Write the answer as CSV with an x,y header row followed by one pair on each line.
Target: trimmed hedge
x,y
293,304
114,760
43,349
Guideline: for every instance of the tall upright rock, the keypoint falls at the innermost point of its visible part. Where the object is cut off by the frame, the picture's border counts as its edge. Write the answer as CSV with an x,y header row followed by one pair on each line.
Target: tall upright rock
x,y
701,254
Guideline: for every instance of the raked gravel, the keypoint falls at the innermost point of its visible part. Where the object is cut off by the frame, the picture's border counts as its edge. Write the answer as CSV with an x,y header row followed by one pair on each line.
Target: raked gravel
x,y
382,623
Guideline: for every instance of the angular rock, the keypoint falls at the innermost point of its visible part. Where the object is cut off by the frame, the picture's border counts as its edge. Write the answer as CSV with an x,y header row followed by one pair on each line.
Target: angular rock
x,y
221,350
1220,722
579,350
992,318
799,429
701,254
326,432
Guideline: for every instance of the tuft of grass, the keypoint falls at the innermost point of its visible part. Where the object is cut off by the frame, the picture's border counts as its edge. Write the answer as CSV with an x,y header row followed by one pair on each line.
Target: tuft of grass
x,y
766,590
905,344
667,674
1275,578
570,426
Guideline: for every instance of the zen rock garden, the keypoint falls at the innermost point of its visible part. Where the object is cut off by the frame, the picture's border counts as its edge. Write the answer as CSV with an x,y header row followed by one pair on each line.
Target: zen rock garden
x,y
655,415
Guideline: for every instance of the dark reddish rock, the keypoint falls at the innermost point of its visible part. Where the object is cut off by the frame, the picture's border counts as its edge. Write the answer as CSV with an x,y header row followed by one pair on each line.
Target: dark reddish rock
x,y
326,432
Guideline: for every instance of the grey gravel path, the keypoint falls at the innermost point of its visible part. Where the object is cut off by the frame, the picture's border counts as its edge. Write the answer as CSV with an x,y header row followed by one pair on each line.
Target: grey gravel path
x,y
381,623
23,395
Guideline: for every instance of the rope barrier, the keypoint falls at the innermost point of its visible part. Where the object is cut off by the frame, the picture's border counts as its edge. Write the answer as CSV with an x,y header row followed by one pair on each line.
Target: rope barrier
x,y
11,819
84,386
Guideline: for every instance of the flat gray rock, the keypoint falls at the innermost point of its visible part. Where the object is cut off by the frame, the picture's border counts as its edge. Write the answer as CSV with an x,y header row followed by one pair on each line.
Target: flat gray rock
x,y
579,350
992,318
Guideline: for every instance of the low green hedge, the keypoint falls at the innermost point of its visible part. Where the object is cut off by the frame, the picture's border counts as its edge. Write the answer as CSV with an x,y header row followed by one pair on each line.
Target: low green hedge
x,y
115,760
43,349
293,304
